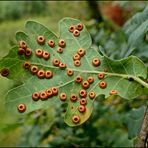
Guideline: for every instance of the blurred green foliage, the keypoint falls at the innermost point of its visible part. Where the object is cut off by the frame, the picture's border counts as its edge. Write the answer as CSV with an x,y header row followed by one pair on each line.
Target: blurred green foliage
x,y
108,124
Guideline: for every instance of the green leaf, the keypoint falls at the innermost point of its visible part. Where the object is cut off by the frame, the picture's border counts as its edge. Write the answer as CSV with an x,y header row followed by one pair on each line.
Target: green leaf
x,y
134,120
125,76
136,31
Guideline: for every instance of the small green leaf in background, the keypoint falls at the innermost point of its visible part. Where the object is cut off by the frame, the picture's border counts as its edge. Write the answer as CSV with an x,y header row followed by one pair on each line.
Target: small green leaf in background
x,y
136,31
134,121
125,76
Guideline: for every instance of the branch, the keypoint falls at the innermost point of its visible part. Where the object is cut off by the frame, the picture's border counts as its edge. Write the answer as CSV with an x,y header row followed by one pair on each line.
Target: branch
x,y
95,10
143,134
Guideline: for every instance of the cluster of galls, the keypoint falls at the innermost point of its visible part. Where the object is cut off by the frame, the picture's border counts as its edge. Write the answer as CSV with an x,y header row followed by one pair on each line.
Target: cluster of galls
x,y
40,73
75,29
77,57
24,50
44,95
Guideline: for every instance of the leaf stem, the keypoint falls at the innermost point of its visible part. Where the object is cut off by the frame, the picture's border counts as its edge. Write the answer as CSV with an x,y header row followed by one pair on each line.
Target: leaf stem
x,y
137,79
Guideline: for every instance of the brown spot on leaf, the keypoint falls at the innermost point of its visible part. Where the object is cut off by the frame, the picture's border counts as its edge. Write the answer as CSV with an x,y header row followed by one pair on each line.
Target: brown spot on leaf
x,y
5,72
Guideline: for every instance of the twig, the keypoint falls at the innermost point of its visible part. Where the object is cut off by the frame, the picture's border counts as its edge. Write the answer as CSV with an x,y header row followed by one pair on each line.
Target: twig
x,y
143,134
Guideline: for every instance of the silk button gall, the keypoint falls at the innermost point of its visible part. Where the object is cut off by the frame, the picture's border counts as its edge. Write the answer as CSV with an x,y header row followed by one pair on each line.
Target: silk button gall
x,y
46,55
63,97
28,52
79,26
56,62
41,40
83,101
76,33
78,79
90,79
49,92
34,69
43,96
81,52
101,75
96,62
73,97
103,84
54,91
35,96
21,51
71,28
62,43
92,95
83,93
22,44
21,108
77,63
113,92
39,52
75,119
85,84
51,43
81,108
62,65
76,57
26,65
5,72
59,50
48,74
41,74
70,72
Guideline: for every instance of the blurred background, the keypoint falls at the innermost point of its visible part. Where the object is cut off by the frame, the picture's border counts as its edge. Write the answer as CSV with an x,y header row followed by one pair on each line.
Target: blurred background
x,y
108,125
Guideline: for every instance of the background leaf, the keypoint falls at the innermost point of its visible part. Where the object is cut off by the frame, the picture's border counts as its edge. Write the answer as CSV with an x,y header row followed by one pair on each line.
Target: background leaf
x,y
134,121
136,31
